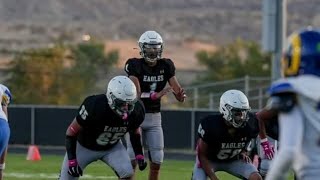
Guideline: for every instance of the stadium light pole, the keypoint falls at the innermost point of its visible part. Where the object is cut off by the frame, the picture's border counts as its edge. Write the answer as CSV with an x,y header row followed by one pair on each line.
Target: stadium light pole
x,y
274,32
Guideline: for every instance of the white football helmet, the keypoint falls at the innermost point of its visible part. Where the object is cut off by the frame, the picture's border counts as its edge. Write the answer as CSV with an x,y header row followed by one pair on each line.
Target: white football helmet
x,y
121,95
234,106
151,46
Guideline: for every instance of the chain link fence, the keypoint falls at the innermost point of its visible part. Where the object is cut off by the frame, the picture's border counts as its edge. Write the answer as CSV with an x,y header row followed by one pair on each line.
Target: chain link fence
x,y
207,96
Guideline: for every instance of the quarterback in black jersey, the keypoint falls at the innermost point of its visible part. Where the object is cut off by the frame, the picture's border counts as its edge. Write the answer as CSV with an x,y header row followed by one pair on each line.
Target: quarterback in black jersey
x,y
150,74
224,138
96,131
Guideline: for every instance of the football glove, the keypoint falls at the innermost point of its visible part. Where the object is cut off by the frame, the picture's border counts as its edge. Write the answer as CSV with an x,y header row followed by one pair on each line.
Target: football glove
x,y
141,162
267,148
74,168
244,157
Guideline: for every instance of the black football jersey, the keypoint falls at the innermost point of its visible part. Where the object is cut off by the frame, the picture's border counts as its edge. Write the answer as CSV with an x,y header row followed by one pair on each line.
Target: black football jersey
x,y
222,146
152,79
101,126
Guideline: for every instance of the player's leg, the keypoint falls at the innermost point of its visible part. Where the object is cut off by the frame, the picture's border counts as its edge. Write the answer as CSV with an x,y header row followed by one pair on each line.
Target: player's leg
x,y
153,135
242,169
4,135
306,162
265,162
84,157
118,159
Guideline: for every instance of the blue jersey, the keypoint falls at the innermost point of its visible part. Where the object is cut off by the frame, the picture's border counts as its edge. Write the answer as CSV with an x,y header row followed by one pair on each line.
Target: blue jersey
x,y
305,90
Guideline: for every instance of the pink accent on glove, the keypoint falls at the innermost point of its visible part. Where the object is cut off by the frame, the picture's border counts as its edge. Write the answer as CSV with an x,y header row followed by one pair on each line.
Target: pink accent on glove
x,y
139,157
73,162
153,96
267,149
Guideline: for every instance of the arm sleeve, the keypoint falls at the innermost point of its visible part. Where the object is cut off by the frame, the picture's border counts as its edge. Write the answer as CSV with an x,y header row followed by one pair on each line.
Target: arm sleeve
x,y
138,115
135,139
71,145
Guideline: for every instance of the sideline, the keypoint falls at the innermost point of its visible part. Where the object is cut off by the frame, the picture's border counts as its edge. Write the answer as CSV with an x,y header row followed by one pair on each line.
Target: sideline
x,y
50,176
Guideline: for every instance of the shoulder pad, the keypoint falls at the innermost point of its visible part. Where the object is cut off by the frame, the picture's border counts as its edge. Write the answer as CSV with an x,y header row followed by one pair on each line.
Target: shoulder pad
x,y
167,60
283,102
133,61
132,66
280,87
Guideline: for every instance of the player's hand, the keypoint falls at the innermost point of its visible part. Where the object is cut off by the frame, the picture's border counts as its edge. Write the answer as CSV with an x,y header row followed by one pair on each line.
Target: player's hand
x,y
74,168
164,91
267,149
244,157
181,95
158,95
141,162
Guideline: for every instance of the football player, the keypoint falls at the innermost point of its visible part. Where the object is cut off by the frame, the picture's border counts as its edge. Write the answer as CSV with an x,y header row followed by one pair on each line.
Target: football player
x,y
296,100
95,132
4,126
224,138
150,74
267,143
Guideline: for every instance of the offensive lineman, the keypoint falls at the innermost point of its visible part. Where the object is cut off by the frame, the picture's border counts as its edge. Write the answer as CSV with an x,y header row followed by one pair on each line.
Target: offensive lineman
x,y
150,74
101,122
223,140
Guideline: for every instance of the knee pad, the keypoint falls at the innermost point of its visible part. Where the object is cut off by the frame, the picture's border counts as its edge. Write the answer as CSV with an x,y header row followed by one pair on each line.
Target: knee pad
x,y
156,156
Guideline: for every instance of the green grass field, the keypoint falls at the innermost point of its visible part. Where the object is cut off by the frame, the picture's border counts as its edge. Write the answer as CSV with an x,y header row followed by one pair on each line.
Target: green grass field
x,y
17,168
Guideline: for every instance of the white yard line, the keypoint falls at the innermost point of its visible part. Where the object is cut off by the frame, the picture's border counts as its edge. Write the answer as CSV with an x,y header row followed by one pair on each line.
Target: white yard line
x,y
51,176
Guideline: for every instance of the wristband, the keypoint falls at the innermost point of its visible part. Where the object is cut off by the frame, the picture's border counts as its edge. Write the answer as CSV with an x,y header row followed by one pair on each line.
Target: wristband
x,y
153,96
139,157
72,162
2,166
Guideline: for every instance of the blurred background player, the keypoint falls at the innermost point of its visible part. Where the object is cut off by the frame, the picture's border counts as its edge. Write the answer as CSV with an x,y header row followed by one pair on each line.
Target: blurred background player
x,y
150,74
296,100
4,126
223,139
101,122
